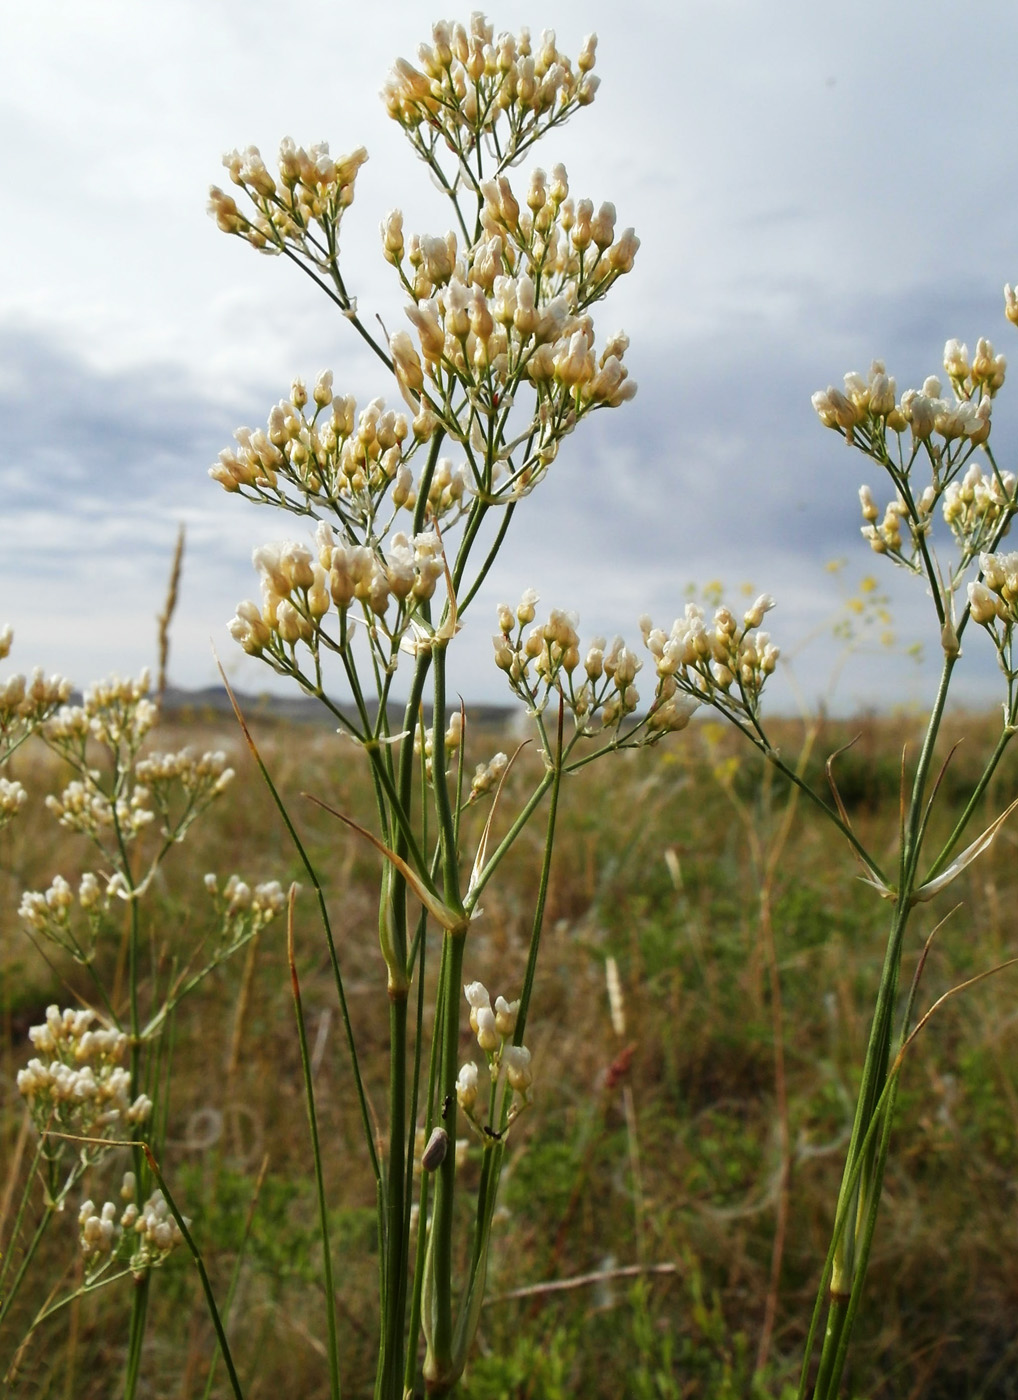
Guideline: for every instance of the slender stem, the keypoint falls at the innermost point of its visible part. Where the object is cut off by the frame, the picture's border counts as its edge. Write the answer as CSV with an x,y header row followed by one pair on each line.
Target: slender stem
x,y
864,1166
542,888
440,1244
316,1154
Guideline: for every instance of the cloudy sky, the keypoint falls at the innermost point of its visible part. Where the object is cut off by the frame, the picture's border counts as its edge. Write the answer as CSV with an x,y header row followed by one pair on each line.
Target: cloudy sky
x,y
813,185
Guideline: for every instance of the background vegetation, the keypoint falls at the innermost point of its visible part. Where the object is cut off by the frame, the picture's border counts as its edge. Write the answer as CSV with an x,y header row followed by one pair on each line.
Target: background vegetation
x,y
651,1174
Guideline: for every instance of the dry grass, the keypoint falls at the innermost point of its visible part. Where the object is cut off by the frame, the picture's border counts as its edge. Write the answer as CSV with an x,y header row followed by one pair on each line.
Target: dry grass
x,y
655,867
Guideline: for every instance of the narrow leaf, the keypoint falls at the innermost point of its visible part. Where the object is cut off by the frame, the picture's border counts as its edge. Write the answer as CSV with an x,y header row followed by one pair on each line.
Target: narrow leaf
x,y
970,853
450,919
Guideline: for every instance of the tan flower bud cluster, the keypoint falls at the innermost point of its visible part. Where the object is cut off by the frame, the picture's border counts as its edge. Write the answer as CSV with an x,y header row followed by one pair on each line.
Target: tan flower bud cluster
x,y
995,596
720,661
156,1232
72,922
181,785
148,1235
341,458
77,1084
514,308
866,410
509,1067
300,209
299,588
600,693
242,911
977,505
84,807
117,712
472,83
25,705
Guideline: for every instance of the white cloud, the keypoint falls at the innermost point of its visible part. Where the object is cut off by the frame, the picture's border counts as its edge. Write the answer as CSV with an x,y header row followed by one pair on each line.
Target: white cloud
x,y
807,198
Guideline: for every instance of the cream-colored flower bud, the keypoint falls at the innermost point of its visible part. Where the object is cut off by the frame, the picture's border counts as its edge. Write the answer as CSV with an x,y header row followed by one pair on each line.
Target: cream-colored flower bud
x,y
527,608
425,317
323,389
587,89
506,619
298,394
506,1013
574,363
289,623
466,1086
1011,304
392,236
518,1071
594,661
921,413
868,504
983,360
487,1035
956,360
983,604
477,997
622,256
755,615
504,654
406,362
319,599
881,395
223,208
425,424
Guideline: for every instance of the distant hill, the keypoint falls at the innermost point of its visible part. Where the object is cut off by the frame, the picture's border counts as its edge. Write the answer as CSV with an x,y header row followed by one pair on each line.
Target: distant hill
x,y
213,700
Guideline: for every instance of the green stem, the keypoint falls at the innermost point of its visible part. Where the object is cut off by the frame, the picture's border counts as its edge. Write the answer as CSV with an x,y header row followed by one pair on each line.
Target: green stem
x,y
316,1153
542,891
390,1362
439,1363
859,1197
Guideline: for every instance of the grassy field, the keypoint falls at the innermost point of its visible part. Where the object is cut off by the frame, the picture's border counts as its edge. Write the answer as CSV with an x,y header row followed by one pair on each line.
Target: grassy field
x,y
674,1178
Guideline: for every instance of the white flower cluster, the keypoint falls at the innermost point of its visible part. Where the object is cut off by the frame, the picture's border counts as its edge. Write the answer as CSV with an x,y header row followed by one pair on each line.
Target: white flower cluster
x,y
77,1084
976,507
148,1234
84,807
340,458
512,309
487,776
600,692
472,83
117,712
508,1064
424,742
49,914
867,409
723,661
301,210
244,911
181,785
12,798
25,705
977,503
993,601
299,588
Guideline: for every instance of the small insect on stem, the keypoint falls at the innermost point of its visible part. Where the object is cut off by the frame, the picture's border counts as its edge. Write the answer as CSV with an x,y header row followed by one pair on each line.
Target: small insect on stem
x,y
434,1154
